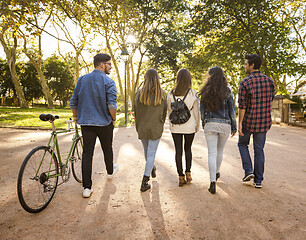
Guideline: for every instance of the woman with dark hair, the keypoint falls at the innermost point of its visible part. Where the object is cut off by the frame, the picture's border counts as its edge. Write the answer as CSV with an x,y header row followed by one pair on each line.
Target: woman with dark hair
x,y
150,114
189,128
218,119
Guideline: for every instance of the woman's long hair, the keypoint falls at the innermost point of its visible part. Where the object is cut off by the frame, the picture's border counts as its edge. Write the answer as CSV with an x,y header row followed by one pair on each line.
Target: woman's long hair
x,y
183,82
151,92
215,89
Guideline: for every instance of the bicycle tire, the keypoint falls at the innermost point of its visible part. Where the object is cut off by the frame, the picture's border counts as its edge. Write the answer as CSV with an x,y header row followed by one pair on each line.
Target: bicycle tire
x,y
76,160
35,193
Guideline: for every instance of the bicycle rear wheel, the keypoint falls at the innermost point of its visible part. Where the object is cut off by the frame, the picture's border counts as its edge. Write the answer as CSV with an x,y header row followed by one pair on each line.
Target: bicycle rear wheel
x,y
37,179
76,160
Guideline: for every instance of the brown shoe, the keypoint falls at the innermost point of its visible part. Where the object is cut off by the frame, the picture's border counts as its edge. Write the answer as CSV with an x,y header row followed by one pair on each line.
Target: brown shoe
x,y
182,181
188,177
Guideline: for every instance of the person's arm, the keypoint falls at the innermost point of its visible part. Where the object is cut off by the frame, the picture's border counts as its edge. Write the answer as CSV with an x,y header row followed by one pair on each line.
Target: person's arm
x,y
196,112
241,113
136,99
113,112
242,103
74,101
169,103
165,110
273,89
232,114
75,115
111,99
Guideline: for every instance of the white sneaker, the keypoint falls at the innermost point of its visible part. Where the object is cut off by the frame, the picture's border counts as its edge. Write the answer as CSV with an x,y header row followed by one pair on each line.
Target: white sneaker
x,y
115,169
87,192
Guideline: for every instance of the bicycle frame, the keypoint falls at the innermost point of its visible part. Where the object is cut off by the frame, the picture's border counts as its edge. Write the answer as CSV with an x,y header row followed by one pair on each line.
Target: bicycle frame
x,y
53,139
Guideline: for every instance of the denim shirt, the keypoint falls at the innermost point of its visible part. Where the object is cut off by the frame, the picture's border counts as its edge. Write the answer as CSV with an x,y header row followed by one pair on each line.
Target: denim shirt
x,y
93,96
225,113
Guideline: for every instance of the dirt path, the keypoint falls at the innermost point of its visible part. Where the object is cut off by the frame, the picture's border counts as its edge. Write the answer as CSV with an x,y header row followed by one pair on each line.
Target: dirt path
x,y
117,209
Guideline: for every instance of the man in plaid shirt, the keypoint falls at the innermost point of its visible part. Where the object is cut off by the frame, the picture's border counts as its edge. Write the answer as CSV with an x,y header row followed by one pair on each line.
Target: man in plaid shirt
x,y
256,93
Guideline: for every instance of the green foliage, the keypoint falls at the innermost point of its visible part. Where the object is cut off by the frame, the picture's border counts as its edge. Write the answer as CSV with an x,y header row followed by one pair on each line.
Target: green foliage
x,y
29,80
170,34
169,44
5,85
230,29
59,79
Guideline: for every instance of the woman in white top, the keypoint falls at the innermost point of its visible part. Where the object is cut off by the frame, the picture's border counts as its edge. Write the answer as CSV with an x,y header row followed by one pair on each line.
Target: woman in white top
x,y
188,129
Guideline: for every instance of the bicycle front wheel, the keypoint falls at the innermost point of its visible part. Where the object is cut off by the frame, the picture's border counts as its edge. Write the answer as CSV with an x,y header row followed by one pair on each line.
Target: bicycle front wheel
x,y
37,179
76,160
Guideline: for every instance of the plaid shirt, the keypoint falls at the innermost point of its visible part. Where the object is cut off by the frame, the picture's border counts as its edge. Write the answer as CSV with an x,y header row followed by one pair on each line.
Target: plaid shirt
x,y
256,92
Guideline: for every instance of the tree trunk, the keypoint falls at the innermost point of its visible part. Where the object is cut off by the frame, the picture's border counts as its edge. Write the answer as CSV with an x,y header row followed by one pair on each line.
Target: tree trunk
x,y
11,58
38,66
115,64
20,94
45,88
77,68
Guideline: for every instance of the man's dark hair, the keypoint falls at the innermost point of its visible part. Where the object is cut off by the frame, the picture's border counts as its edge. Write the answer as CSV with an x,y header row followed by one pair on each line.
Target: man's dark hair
x,y
101,57
254,58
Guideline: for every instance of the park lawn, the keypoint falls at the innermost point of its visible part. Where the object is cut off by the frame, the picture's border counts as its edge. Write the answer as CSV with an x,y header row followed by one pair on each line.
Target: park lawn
x,y
17,117
29,118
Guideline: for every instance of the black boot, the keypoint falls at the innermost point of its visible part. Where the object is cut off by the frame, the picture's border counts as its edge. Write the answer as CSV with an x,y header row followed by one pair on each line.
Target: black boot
x,y
145,185
153,173
212,188
217,175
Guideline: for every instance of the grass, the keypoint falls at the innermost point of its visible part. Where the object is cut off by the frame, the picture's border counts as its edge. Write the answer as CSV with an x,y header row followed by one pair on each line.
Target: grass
x,y
29,118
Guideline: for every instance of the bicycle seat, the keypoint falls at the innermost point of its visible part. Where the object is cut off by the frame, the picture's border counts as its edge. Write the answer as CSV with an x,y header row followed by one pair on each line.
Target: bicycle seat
x,y
48,117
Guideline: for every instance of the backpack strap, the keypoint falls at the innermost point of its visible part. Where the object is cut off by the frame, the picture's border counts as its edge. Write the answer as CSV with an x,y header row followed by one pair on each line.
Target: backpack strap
x,y
173,96
184,96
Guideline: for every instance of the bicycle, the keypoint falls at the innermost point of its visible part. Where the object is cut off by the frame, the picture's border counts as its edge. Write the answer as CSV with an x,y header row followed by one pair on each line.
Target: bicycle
x,y
39,172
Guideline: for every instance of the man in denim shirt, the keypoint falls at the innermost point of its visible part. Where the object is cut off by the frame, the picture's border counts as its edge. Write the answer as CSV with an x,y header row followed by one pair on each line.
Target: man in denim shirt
x,y
94,104
256,93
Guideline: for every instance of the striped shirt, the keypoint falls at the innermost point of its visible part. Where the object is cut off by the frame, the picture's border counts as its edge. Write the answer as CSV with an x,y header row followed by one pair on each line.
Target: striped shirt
x,y
256,93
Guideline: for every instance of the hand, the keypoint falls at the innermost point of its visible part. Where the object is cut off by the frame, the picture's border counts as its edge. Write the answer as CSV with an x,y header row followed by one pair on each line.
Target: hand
x,y
240,130
75,119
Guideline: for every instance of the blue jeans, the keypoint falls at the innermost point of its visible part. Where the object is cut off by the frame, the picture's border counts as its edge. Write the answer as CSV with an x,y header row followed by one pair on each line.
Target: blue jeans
x,y
150,148
259,139
215,144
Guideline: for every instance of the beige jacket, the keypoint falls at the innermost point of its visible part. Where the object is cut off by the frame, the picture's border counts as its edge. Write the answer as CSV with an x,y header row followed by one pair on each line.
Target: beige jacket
x,y
192,102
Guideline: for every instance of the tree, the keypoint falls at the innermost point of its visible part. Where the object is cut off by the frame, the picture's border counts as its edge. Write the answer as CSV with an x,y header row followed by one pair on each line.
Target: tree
x,y
115,21
33,34
230,29
170,46
294,13
9,24
66,13
30,81
59,79
6,84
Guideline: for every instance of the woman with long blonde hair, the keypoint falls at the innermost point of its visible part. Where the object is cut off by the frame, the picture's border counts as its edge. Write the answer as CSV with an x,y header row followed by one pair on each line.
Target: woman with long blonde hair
x,y
188,129
150,114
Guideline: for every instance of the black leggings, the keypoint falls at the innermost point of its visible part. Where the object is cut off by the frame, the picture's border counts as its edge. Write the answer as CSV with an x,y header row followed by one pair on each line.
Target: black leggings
x,y
178,143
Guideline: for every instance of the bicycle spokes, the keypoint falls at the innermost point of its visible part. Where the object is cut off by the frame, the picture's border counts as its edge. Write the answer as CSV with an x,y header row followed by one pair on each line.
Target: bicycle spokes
x,y
36,187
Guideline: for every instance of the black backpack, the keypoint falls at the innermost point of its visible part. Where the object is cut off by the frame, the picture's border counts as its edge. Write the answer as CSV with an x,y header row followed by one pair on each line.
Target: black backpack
x,y
180,112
